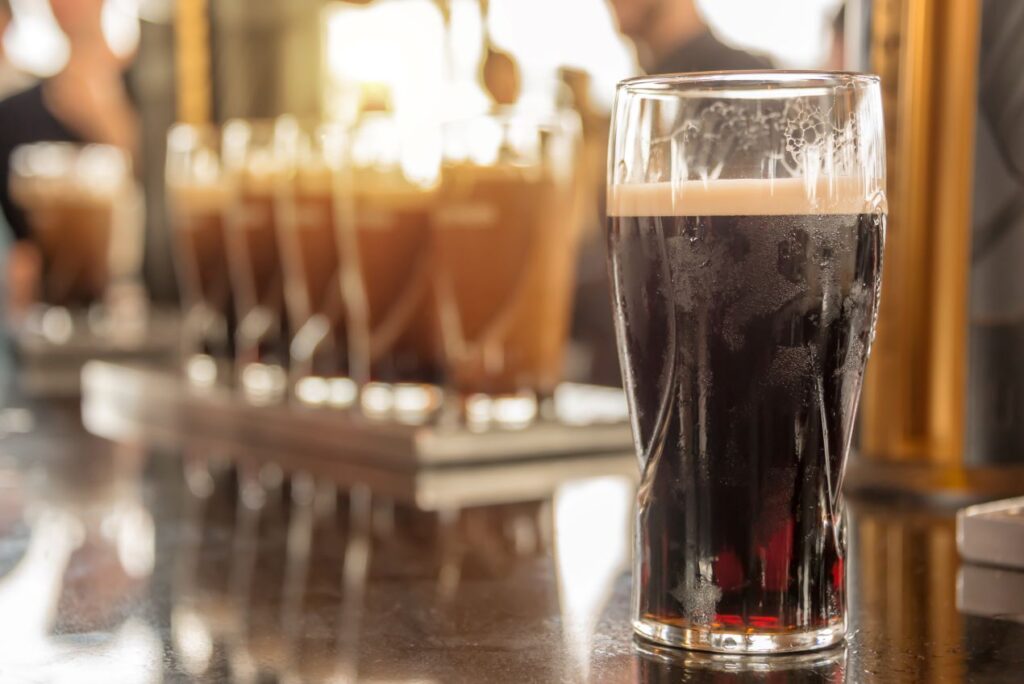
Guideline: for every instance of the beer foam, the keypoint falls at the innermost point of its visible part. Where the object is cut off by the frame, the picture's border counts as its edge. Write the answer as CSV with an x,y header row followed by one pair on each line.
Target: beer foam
x,y
35,191
744,197
198,196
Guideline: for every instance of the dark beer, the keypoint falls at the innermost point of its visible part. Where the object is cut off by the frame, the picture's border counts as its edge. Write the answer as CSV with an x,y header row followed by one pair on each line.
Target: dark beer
x,y
197,212
75,201
504,245
312,274
391,235
74,232
257,270
745,310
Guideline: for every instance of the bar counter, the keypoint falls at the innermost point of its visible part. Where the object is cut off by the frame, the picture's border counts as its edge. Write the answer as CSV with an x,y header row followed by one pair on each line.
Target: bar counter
x,y
121,562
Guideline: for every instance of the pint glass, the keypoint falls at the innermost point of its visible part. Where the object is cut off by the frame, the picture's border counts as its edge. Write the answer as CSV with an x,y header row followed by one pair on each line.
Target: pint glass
x,y
197,199
384,233
504,238
309,156
747,217
83,209
253,172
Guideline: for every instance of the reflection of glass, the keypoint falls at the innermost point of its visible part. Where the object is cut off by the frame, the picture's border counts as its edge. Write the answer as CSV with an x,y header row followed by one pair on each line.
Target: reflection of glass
x,y
747,219
386,235
198,197
504,243
77,564
905,587
83,208
205,619
261,340
309,159
260,570
328,549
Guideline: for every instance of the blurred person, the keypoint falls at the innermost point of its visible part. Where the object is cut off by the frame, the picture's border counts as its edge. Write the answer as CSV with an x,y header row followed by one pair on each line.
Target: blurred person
x,y
86,102
836,60
670,36
12,79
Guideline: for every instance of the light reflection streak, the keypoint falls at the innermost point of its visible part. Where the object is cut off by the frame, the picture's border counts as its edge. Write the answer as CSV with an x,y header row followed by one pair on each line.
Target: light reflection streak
x,y
32,591
591,550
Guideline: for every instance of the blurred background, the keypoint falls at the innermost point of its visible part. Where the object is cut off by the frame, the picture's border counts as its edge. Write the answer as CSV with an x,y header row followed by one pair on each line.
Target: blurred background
x,y
228,555
425,60
120,73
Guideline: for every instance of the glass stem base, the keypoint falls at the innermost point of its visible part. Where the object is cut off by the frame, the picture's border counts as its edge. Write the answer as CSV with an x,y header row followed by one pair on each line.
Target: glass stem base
x,y
740,642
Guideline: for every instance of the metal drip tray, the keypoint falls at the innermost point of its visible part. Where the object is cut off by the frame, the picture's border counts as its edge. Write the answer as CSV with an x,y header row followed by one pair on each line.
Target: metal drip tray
x,y
124,400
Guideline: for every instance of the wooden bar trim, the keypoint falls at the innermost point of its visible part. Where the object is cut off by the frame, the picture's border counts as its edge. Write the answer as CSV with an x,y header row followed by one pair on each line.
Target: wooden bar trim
x,y
192,61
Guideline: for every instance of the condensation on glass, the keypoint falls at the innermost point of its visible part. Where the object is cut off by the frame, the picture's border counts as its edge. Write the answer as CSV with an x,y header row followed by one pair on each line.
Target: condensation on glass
x,y
747,217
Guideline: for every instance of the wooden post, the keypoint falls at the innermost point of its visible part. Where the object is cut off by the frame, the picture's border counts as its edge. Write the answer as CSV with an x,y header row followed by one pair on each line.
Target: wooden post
x,y
192,52
914,396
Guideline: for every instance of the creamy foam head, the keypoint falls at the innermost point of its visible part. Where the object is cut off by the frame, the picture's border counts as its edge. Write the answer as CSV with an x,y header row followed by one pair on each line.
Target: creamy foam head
x,y
198,197
743,197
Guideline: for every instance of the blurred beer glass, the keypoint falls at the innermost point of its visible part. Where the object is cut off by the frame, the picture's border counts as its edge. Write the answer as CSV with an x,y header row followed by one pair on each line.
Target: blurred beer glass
x,y
85,213
197,198
388,188
253,173
310,156
504,239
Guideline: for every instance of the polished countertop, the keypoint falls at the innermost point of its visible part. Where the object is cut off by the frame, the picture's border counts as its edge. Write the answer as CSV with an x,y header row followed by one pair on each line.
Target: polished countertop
x,y
122,562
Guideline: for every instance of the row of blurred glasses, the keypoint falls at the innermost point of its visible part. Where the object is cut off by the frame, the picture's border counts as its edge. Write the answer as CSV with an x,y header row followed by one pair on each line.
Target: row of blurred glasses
x,y
405,269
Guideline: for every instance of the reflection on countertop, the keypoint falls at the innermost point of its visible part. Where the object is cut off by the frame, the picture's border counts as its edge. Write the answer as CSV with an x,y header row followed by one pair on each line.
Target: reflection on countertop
x,y
128,565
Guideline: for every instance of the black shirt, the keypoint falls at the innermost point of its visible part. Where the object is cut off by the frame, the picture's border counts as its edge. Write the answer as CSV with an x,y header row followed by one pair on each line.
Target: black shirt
x,y
24,119
704,52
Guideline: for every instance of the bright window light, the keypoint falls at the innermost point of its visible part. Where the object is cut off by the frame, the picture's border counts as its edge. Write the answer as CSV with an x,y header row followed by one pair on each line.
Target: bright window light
x,y
793,33
34,42
544,35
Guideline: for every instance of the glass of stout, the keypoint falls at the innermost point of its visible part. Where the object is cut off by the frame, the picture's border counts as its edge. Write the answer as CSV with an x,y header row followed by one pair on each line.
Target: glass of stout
x,y
386,189
504,237
310,156
197,197
253,171
83,207
746,223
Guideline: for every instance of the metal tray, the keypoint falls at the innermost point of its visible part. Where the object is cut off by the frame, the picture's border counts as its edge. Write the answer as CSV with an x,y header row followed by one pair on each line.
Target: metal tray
x,y
51,365
157,403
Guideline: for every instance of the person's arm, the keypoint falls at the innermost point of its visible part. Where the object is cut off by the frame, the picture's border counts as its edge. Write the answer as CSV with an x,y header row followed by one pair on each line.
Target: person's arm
x,y
89,99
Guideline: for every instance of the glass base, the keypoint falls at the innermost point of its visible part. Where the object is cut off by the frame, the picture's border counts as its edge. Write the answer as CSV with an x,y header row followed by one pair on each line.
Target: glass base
x,y
481,411
727,641
335,392
263,383
407,403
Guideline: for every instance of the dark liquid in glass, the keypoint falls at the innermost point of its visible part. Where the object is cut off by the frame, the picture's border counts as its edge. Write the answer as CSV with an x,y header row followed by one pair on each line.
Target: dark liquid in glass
x,y
198,216
743,343
258,280
316,269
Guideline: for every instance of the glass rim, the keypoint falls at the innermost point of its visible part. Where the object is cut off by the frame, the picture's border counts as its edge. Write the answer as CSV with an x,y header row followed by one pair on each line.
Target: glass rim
x,y
759,83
